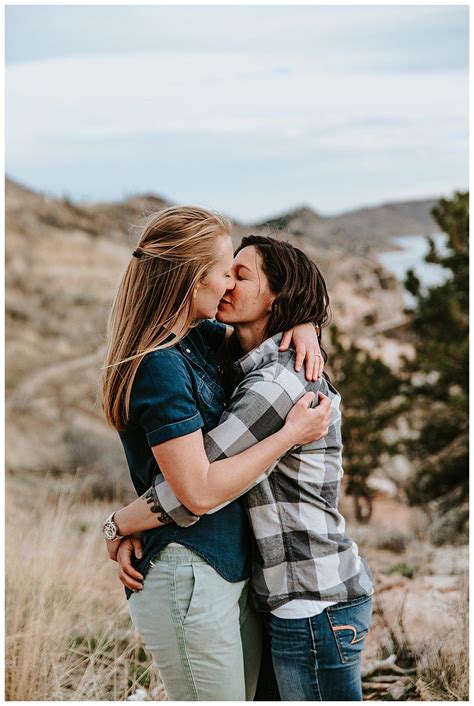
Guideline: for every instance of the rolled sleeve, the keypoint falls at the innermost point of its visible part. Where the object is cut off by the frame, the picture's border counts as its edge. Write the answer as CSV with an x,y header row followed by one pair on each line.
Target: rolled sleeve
x,y
163,398
170,503
175,429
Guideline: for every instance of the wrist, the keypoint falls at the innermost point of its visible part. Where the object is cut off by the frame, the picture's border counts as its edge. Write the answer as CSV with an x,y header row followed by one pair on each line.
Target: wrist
x,y
120,521
110,529
287,437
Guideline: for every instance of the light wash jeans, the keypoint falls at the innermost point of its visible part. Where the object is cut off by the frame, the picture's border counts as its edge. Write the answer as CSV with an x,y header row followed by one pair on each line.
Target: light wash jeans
x,y
204,637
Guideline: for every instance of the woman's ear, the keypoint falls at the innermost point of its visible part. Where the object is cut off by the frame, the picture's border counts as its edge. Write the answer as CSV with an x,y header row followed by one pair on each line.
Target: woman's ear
x,y
271,299
199,284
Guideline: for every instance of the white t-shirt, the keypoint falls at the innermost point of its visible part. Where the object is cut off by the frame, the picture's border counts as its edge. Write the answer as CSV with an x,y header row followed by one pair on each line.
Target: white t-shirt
x,y
299,608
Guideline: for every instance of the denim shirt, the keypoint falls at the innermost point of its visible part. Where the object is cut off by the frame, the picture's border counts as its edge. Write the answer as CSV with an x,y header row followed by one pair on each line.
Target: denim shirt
x,y
175,392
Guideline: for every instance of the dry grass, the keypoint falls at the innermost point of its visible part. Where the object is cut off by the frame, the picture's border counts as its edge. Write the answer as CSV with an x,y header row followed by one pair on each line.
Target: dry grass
x,y
69,636
436,661
443,666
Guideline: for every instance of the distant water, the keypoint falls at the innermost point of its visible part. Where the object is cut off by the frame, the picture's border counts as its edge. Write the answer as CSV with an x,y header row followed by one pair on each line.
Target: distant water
x,y
413,249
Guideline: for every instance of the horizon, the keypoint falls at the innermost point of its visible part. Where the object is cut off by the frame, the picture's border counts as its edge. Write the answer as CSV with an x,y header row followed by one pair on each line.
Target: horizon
x,y
269,216
254,110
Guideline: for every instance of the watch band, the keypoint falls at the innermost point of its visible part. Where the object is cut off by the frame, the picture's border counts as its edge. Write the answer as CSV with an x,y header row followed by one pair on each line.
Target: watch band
x,y
110,528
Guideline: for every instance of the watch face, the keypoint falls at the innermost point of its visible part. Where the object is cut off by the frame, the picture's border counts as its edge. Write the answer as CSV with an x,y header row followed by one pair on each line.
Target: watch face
x,y
110,531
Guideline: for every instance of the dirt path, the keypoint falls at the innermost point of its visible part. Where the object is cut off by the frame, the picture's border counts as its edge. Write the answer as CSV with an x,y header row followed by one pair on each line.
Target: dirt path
x,y
30,387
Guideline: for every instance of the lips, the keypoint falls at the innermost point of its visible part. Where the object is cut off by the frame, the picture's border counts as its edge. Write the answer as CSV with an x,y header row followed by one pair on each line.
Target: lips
x,y
223,301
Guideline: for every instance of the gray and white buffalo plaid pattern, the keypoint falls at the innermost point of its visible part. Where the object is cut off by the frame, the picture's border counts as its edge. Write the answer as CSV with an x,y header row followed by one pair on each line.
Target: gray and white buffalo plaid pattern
x,y
300,551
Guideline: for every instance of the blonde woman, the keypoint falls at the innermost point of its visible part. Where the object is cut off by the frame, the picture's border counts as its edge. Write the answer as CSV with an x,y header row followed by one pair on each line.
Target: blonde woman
x,y
161,389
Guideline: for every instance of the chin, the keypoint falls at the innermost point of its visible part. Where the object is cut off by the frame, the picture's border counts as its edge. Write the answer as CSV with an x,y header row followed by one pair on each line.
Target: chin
x,y
220,316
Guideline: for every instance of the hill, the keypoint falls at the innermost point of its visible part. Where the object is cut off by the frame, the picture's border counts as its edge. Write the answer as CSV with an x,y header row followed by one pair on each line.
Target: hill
x,y
362,230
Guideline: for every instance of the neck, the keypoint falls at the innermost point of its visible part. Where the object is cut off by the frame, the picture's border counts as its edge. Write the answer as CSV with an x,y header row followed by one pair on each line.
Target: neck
x,y
178,326
250,335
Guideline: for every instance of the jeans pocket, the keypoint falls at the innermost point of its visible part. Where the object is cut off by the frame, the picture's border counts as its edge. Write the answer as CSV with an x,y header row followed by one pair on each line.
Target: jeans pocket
x,y
350,623
184,589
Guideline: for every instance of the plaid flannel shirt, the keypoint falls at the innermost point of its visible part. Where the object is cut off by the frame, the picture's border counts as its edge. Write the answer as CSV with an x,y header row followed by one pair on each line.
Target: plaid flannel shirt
x,y
300,549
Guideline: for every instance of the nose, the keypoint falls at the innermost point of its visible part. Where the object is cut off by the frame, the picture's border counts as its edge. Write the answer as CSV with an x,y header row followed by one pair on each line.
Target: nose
x,y
230,283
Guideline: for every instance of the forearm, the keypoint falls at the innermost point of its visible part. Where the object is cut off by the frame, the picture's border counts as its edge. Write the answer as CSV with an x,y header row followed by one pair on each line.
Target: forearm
x,y
141,514
220,482
228,478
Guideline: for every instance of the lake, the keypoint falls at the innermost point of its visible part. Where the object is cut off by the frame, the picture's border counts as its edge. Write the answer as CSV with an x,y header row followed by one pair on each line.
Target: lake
x,y
413,249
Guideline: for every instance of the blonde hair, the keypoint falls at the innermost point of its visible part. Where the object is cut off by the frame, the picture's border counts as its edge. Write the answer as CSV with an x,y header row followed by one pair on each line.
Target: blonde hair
x,y
174,253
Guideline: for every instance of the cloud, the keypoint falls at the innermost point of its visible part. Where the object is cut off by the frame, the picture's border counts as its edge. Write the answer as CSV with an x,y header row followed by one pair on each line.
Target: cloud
x,y
362,37
252,108
105,97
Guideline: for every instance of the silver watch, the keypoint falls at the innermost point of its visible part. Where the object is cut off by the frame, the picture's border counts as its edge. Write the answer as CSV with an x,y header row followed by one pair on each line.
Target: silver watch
x,y
110,529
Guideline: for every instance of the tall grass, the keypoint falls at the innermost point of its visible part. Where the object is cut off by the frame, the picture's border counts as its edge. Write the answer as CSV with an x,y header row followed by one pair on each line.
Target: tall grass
x,y
68,634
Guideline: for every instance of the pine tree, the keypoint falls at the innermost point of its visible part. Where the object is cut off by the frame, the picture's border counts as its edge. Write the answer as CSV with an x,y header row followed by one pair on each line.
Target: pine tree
x,y
370,402
440,375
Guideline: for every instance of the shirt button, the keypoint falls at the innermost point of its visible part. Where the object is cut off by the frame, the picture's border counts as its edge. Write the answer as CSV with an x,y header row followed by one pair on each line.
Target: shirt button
x,y
187,350
225,404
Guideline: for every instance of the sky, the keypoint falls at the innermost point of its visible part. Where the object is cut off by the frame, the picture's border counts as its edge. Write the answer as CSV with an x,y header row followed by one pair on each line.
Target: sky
x,y
252,110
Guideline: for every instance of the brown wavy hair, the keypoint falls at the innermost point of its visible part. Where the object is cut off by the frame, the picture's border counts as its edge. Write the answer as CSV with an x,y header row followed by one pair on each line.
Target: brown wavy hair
x,y
175,251
301,292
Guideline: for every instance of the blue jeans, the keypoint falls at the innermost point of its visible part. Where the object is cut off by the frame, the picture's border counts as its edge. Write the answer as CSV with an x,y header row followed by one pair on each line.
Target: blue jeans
x,y
318,658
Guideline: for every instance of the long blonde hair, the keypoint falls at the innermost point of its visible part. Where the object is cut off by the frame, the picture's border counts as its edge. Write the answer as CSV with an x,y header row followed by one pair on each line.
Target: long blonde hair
x,y
174,253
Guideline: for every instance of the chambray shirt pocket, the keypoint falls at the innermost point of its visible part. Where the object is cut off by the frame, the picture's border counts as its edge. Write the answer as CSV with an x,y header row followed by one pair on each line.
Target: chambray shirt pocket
x,y
209,393
205,392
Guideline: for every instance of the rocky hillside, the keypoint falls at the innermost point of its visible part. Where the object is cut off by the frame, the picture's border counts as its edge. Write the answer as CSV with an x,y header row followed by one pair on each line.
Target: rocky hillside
x,y
360,231
63,263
